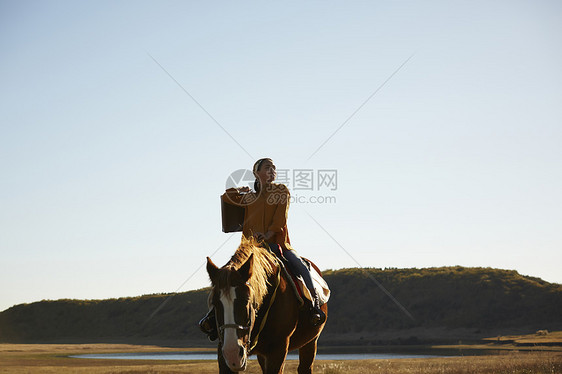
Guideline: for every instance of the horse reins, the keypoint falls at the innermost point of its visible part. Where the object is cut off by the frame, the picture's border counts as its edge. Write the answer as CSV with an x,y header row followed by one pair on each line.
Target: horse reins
x,y
264,319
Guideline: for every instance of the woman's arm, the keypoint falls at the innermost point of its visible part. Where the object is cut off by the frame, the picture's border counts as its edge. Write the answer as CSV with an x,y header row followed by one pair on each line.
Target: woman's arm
x,y
235,196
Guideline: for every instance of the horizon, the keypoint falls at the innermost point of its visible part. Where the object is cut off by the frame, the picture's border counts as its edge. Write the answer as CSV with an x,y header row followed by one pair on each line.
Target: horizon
x,y
410,135
205,287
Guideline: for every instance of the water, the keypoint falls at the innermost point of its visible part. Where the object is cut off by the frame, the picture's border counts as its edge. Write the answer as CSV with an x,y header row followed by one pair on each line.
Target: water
x,y
213,356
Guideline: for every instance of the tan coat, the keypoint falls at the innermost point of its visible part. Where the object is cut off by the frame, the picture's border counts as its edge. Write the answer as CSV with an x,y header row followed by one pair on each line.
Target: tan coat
x,y
264,211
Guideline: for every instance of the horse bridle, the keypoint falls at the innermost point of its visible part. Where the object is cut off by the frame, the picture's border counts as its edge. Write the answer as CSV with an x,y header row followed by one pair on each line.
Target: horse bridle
x,y
238,327
234,326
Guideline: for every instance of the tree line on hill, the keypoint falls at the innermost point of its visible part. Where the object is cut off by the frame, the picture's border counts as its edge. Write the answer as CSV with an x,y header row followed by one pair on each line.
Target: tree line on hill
x,y
480,299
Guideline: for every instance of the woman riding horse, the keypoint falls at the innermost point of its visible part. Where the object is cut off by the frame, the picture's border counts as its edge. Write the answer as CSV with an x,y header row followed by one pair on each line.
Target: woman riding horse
x,y
265,219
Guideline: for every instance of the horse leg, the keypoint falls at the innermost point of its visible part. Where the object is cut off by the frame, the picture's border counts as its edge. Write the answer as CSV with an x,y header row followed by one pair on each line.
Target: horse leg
x,y
261,361
307,353
275,361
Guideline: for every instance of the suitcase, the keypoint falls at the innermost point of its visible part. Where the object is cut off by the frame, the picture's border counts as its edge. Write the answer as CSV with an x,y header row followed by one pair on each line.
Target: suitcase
x,y
232,217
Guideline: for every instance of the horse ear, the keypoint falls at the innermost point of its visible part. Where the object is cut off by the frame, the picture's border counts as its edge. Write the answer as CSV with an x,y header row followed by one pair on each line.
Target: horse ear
x,y
212,269
245,270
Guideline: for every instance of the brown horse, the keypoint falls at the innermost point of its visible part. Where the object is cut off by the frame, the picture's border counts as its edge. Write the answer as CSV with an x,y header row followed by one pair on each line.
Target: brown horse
x,y
257,312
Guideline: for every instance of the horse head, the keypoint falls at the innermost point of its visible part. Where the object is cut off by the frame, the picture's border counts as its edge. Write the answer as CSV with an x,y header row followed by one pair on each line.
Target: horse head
x,y
235,314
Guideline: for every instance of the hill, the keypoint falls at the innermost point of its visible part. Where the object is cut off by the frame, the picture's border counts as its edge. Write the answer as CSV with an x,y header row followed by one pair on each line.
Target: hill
x,y
445,303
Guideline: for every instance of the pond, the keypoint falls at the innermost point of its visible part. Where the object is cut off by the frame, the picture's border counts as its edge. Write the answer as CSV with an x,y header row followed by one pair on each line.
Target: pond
x,y
213,356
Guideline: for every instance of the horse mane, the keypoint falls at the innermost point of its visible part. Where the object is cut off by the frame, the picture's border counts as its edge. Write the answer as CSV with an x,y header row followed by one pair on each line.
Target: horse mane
x,y
263,268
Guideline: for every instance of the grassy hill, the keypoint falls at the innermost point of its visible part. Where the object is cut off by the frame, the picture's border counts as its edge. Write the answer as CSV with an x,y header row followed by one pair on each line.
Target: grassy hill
x,y
440,300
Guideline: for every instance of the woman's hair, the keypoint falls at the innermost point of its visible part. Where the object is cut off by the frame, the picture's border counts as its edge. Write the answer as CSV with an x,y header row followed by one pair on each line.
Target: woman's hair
x,y
257,167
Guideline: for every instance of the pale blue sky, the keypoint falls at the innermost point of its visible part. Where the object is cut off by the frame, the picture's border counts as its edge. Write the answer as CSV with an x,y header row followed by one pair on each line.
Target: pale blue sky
x,y
111,173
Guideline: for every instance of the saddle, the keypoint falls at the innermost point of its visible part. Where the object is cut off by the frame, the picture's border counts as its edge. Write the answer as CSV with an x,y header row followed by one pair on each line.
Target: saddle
x,y
298,285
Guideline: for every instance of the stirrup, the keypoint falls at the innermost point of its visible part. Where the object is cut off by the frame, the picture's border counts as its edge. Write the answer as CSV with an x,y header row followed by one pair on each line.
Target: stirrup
x,y
318,317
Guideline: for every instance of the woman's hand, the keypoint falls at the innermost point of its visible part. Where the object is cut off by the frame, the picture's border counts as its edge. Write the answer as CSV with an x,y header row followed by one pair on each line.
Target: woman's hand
x,y
260,236
268,236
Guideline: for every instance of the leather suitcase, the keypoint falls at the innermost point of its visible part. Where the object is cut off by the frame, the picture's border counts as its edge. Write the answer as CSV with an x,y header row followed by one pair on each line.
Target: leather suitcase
x,y
232,217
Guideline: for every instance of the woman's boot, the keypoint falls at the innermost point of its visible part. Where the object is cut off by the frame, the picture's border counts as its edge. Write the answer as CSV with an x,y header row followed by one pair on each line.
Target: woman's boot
x,y
317,316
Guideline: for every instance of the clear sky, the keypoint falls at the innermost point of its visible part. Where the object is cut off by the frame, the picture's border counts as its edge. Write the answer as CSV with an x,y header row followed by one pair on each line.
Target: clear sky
x,y
112,155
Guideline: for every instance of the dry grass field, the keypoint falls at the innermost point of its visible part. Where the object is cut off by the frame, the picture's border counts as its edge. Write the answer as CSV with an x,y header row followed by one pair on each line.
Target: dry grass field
x,y
553,337
38,358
